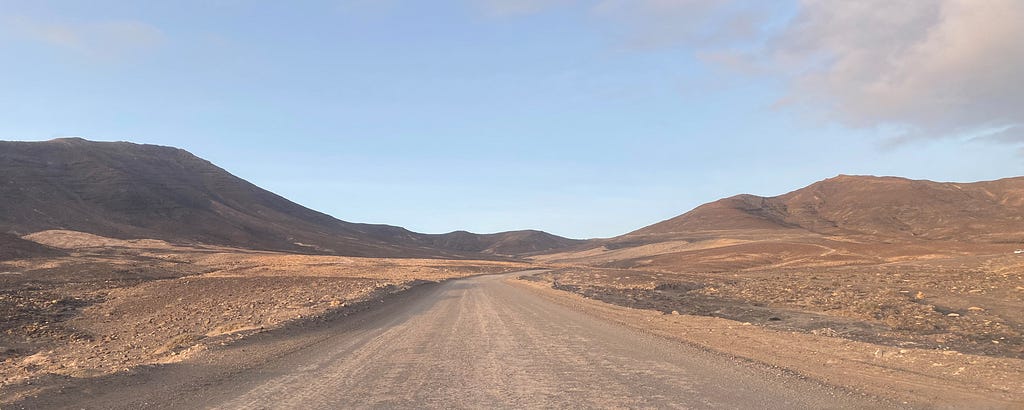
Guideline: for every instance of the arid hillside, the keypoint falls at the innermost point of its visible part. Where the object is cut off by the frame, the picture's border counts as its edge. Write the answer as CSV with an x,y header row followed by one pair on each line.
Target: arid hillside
x,y
839,221
504,243
880,208
13,247
105,305
124,190
885,260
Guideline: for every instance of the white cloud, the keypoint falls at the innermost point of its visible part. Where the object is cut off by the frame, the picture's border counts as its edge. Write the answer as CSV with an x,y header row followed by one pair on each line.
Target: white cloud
x,y
939,68
932,68
106,39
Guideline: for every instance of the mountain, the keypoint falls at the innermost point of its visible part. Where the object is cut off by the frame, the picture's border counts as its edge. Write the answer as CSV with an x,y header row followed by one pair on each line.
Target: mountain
x,y
880,207
126,190
504,243
838,221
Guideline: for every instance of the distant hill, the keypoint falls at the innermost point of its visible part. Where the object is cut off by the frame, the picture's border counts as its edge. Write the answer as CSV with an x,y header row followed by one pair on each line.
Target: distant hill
x,y
505,243
879,207
125,190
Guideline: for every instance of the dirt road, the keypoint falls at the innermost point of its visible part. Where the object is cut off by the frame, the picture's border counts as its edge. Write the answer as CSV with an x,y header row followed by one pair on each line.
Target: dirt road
x,y
471,343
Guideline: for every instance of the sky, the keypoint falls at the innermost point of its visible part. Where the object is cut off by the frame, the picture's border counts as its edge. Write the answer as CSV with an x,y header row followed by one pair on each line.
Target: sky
x,y
581,118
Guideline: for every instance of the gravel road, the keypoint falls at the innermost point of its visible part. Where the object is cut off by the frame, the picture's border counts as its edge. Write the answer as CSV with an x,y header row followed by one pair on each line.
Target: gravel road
x,y
470,343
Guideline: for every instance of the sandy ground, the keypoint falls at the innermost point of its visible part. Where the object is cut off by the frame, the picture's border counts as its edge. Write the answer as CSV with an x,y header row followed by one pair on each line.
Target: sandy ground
x,y
112,305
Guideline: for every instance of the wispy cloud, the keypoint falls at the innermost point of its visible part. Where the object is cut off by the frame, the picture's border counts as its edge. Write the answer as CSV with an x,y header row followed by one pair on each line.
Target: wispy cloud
x,y
100,40
1008,135
940,68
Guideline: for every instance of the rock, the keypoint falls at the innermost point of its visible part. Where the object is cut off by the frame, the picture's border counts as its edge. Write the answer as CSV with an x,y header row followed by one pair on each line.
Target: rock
x,y
825,331
675,312
975,309
953,314
919,295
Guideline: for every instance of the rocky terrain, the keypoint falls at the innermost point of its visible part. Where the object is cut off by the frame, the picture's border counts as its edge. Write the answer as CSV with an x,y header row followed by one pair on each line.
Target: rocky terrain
x,y
922,305
13,247
116,255
884,260
912,376
110,305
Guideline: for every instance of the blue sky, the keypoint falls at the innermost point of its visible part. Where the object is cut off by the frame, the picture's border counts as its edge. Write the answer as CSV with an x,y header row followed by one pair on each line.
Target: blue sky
x,y
582,118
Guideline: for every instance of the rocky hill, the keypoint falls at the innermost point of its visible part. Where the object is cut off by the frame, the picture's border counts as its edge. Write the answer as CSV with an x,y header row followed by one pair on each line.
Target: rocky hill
x,y
504,243
886,208
838,221
125,190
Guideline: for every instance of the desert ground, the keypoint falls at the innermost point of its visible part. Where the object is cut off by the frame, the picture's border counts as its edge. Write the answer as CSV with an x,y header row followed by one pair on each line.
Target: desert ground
x,y
111,305
793,321
963,301
949,311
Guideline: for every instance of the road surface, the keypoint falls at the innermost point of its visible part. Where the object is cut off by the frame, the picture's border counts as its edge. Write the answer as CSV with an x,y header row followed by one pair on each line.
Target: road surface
x,y
472,343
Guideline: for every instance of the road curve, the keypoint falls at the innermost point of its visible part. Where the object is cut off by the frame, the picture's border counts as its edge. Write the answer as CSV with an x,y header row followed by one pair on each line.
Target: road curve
x,y
471,343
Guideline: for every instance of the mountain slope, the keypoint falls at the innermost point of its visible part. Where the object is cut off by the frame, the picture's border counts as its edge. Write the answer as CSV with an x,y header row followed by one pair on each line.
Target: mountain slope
x,y
838,221
13,247
504,243
880,207
125,190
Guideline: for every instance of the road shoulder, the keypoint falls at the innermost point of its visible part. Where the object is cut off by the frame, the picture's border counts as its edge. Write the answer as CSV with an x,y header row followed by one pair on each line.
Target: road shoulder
x,y
918,377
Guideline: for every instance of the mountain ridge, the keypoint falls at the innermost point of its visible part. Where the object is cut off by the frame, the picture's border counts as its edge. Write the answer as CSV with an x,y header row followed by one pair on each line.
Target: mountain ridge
x,y
883,207
129,191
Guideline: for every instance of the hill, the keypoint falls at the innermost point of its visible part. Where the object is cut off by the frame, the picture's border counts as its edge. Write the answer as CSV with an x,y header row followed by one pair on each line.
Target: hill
x,y
841,220
885,208
504,243
125,190
887,261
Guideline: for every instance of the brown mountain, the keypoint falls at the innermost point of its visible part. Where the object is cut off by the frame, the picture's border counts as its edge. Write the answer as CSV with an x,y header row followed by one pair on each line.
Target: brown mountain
x,y
126,190
881,207
841,220
505,243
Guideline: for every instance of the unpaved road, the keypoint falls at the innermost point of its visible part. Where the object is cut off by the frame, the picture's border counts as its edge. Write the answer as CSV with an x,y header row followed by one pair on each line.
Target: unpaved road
x,y
471,343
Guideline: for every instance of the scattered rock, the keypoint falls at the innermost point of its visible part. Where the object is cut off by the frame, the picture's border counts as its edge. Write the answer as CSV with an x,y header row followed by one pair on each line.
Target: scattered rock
x,y
825,331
